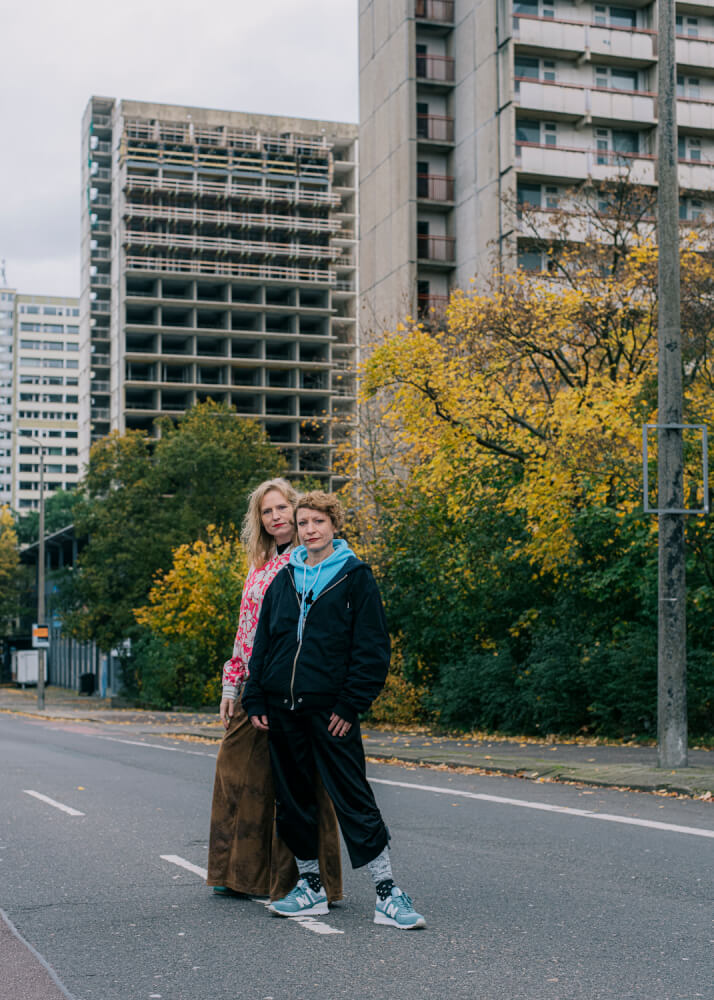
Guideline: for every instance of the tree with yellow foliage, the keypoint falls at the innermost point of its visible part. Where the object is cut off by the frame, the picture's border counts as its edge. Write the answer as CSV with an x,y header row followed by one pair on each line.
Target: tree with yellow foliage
x,y
9,568
191,618
518,569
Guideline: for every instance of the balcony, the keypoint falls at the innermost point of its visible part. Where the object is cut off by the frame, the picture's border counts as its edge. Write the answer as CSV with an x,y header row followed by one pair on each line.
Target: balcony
x,y
568,164
618,107
694,176
546,35
561,99
434,187
552,162
695,114
432,306
695,53
621,43
434,10
435,128
436,249
434,69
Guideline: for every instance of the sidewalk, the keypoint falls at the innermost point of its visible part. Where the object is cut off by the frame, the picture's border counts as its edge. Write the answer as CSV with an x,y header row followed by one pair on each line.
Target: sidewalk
x,y
612,765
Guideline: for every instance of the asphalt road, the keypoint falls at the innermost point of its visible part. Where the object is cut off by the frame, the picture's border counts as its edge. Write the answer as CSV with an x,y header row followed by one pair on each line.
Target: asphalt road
x,y
531,892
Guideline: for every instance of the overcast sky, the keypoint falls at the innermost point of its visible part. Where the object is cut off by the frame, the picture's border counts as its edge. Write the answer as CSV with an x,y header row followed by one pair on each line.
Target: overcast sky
x,y
286,57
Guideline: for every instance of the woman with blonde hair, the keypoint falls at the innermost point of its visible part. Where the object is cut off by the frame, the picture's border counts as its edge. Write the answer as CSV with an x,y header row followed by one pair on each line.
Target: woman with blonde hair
x,y
244,854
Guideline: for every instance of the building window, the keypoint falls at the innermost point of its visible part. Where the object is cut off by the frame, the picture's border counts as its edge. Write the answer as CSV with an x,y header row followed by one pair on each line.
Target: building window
x,y
526,67
688,87
689,147
688,26
610,142
527,131
614,78
528,194
691,209
615,17
530,260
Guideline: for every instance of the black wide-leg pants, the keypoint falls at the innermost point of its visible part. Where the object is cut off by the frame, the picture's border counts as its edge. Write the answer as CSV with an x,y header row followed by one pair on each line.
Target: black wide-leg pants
x,y
300,744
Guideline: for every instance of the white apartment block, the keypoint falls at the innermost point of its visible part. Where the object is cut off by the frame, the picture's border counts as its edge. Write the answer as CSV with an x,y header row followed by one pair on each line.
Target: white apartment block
x,y
219,259
45,397
469,105
7,321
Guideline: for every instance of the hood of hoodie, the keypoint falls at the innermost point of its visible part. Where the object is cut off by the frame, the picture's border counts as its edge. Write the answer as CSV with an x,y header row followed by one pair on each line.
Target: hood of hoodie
x,y
314,579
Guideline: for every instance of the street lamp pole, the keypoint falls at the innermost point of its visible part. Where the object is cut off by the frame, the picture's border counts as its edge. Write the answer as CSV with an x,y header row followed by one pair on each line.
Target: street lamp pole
x,y
40,569
672,630
41,586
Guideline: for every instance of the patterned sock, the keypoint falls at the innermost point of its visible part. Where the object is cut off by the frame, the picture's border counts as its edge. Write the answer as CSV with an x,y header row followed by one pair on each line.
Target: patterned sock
x,y
313,880
384,889
380,868
311,867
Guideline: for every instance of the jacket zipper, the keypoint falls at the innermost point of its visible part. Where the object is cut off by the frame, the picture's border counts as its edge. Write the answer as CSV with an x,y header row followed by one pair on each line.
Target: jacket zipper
x,y
292,676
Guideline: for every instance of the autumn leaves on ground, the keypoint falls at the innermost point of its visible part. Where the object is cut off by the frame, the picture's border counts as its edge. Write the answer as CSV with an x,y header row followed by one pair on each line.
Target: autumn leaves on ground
x,y
495,486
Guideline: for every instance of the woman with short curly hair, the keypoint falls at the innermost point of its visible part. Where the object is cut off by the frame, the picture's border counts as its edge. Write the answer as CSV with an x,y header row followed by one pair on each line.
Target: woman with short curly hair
x,y
320,657
244,855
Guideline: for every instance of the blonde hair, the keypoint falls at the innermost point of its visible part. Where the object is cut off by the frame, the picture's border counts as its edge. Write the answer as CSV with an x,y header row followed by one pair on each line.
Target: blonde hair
x,y
325,503
259,545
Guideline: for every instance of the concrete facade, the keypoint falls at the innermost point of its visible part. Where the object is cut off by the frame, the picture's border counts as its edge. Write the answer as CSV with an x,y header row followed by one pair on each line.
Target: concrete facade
x,y
7,323
219,259
470,106
45,397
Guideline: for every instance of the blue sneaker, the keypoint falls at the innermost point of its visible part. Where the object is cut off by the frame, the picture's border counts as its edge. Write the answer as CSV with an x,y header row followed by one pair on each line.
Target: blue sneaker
x,y
397,911
302,901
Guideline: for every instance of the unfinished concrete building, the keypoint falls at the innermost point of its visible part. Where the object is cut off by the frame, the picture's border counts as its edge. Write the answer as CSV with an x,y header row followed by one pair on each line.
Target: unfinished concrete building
x,y
219,260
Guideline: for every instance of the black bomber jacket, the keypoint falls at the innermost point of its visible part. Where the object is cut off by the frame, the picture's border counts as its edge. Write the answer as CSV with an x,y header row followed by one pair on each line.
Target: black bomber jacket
x,y
342,660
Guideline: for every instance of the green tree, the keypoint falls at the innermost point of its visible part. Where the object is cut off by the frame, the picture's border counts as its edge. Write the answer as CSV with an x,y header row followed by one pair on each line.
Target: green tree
x,y
191,616
59,513
143,498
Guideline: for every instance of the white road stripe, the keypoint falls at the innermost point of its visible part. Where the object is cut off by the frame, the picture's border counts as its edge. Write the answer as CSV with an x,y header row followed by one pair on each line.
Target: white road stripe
x,y
310,923
156,746
174,859
565,810
53,802
498,800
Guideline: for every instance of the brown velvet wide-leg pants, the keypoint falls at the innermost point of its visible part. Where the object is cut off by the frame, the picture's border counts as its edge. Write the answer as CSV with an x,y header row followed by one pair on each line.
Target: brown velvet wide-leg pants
x,y
244,852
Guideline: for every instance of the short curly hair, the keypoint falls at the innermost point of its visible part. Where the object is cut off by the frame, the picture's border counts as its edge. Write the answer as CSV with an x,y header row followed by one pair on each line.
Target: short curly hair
x,y
325,503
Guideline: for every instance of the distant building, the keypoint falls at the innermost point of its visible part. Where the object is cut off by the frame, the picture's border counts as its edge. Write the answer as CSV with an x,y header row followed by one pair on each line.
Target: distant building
x,y
7,321
45,397
468,106
219,260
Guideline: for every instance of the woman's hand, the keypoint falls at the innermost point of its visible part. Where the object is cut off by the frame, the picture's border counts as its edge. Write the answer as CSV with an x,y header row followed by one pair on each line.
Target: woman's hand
x,y
227,708
260,722
338,726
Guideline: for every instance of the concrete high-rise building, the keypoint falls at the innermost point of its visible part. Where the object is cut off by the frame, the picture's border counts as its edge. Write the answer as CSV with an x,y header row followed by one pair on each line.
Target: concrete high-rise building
x,y
7,322
219,260
468,106
45,397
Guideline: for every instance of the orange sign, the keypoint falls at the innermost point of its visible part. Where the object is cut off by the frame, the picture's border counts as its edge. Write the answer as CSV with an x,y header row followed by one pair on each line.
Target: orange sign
x,y
40,636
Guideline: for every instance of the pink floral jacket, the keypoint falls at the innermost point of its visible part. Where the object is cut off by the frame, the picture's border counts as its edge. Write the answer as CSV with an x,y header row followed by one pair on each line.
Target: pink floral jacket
x,y
235,670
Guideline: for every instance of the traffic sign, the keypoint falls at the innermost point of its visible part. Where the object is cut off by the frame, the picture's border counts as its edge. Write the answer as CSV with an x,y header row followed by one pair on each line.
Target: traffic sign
x,y
40,636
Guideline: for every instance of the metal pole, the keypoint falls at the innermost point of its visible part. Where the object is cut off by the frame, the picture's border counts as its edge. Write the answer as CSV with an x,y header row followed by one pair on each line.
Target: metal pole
x,y
672,626
41,586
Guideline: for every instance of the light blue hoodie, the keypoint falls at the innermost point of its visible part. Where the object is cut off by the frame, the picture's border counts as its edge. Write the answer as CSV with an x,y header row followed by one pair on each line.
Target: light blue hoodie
x,y
312,580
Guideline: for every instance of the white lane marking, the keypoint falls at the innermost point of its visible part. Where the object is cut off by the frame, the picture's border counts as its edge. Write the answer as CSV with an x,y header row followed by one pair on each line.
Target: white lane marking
x,y
53,802
156,746
174,859
316,926
565,810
